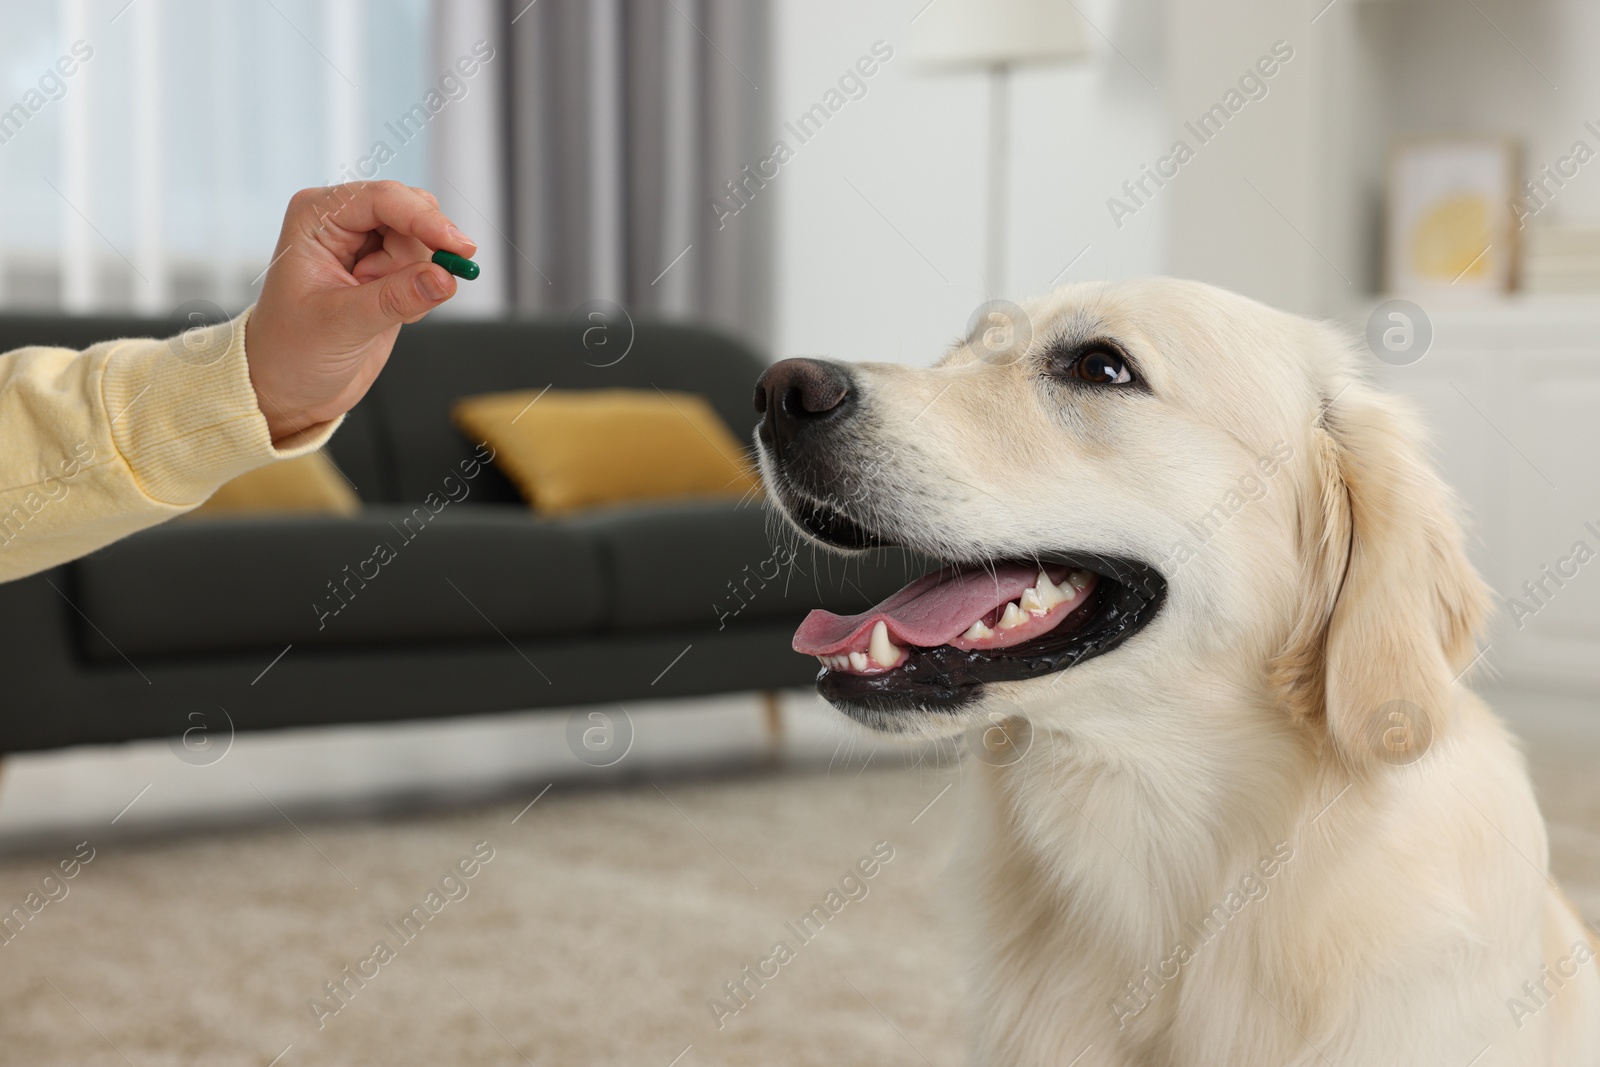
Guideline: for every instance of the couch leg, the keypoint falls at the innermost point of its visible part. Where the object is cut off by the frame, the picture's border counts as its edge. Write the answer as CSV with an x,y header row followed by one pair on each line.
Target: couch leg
x,y
772,712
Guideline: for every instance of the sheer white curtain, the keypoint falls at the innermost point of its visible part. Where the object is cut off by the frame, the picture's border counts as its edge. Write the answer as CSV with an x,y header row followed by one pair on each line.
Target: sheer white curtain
x,y
468,154
147,149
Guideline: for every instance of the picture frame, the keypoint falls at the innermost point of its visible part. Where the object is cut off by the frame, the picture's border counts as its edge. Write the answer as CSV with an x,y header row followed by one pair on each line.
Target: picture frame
x,y
1449,225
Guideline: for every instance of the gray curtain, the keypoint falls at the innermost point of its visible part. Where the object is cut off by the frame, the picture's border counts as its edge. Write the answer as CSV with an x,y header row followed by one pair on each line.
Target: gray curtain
x,y
628,118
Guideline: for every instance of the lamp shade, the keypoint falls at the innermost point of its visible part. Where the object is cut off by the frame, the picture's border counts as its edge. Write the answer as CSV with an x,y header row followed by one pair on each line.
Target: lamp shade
x,y
951,34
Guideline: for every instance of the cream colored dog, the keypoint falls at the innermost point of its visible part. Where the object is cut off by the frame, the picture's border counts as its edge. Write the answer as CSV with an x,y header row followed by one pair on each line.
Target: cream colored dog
x,y
1207,605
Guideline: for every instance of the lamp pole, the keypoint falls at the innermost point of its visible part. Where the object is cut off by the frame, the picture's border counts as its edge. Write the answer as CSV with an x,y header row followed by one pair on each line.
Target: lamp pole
x,y
997,36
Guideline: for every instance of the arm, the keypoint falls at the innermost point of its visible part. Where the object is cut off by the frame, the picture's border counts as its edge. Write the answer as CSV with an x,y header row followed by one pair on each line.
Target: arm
x,y
98,444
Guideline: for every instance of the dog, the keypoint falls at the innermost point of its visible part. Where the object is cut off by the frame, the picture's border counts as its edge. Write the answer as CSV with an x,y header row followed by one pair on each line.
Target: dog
x,y
1205,604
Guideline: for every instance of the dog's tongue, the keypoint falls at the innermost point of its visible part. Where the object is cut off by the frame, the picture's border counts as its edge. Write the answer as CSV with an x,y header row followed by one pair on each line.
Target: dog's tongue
x,y
928,612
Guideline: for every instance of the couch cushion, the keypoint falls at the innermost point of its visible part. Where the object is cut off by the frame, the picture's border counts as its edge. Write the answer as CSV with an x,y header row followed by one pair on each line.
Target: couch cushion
x,y
358,450
434,363
574,450
469,573
304,485
713,564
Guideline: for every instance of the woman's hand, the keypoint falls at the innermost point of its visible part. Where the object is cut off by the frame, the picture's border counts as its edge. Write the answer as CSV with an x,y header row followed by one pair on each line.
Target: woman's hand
x,y
351,266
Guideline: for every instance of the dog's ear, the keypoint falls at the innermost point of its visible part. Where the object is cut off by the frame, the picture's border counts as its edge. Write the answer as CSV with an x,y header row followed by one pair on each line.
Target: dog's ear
x,y
1390,606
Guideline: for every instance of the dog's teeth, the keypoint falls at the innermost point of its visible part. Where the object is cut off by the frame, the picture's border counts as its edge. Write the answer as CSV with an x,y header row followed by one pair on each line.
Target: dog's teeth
x,y
1079,581
1042,597
978,631
884,652
858,661
1013,617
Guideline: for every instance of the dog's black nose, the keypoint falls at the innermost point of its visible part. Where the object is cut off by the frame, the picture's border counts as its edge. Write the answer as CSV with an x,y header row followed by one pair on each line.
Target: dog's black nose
x,y
794,393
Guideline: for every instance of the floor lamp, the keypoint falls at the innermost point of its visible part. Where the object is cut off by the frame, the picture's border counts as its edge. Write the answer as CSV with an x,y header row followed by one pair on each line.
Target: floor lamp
x,y
997,36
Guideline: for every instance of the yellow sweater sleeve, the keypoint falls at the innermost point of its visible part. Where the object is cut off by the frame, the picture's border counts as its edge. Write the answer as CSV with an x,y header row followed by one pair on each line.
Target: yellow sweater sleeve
x,y
98,444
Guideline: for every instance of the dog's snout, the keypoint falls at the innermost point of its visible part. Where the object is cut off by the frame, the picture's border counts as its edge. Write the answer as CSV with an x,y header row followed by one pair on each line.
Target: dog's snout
x,y
795,393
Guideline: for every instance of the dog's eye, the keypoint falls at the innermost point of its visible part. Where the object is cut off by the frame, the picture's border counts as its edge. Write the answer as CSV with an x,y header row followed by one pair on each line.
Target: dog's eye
x,y
1100,366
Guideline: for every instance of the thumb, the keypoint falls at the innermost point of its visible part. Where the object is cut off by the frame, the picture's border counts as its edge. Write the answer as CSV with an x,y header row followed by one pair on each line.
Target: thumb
x,y
402,296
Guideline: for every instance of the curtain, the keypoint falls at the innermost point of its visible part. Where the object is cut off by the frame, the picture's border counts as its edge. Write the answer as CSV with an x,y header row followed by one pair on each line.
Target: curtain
x,y
628,120
467,157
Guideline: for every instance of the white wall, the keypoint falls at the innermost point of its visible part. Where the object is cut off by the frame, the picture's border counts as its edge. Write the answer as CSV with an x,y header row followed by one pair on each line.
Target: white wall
x,y
1366,73
1452,70
1253,211
848,284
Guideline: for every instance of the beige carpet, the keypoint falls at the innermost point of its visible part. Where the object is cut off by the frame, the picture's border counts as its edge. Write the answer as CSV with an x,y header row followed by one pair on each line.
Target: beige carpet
x,y
597,934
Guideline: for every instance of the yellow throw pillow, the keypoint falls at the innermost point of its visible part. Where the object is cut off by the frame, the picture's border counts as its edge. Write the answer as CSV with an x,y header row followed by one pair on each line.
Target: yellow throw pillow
x,y
305,485
569,450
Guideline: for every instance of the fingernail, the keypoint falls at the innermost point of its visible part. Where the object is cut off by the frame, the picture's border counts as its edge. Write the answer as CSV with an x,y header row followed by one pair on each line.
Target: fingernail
x,y
431,288
453,231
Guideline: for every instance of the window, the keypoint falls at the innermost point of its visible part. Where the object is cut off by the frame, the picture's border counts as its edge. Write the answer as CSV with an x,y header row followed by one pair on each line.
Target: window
x,y
148,148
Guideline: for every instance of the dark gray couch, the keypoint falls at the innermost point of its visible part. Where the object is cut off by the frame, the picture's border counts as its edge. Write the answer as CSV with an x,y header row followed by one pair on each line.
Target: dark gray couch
x,y
481,608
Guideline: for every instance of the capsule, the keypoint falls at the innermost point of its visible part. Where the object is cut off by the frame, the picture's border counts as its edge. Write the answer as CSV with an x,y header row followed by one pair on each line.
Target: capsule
x,y
460,266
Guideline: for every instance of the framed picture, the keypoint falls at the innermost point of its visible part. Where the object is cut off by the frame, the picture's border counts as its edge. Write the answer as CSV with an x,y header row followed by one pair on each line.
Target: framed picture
x,y
1450,227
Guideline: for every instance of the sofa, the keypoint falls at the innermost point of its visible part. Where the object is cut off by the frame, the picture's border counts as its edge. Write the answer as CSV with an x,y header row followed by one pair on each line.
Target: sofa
x,y
481,605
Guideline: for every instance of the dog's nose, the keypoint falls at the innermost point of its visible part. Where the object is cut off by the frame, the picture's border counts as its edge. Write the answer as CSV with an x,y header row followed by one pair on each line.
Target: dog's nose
x,y
794,393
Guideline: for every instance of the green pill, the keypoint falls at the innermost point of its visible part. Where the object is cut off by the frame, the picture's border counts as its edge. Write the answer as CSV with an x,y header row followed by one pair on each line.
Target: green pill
x,y
460,266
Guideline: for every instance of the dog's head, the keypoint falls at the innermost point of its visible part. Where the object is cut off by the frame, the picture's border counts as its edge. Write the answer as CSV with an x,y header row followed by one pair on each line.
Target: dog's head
x,y
1133,489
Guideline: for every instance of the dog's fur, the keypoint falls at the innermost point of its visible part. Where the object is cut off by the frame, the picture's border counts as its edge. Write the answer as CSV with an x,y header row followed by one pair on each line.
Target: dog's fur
x,y
1251,727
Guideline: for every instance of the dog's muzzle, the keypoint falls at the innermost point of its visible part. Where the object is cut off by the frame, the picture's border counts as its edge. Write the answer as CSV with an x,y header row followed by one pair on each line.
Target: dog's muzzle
x,y
967,622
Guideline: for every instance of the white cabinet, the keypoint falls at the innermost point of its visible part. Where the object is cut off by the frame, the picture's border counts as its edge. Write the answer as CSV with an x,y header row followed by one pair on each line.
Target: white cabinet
x,y
1512,394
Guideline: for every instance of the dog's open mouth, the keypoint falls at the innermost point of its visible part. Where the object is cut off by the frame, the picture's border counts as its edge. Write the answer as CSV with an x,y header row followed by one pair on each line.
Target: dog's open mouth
x,y
933,644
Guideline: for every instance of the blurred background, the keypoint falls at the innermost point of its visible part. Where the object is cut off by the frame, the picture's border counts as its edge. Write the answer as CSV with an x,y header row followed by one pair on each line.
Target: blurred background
x,y
585,155
667,195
